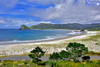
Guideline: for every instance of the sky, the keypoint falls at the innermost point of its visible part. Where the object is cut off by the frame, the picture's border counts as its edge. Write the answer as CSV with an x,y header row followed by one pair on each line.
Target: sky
x,y
14,13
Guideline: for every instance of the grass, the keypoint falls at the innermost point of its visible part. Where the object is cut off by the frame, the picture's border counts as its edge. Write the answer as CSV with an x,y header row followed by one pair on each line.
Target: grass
x,y
93,38
60,63
93,53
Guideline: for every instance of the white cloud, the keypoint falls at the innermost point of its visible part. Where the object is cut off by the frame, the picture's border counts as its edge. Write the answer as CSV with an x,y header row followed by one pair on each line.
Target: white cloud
x,y
97,17
64,11
45,22
8,3
69,11
1,21
28,22
18,22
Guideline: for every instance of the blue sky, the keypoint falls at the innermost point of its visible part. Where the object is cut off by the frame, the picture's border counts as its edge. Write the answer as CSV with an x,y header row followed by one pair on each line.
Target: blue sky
x,y
14,13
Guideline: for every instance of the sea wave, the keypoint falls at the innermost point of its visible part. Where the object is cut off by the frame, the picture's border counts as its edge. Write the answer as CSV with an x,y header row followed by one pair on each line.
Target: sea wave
x,y
75,33
46,38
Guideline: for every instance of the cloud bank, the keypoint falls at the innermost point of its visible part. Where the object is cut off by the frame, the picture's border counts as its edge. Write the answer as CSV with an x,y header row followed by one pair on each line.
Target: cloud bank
x,y
70,11
53,11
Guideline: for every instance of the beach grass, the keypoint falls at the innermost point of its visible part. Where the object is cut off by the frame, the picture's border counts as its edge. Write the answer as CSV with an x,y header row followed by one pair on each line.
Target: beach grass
x,y
93,38
60,63
93,53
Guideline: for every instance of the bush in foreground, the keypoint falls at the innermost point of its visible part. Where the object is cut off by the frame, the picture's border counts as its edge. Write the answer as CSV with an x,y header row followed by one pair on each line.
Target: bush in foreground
x,y
73,52
36,54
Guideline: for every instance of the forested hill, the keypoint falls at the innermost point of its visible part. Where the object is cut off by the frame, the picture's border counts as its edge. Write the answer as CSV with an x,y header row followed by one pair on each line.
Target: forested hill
x,y
73,26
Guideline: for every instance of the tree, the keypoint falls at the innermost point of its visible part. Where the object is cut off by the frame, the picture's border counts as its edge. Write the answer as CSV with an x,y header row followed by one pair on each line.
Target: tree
x,y
65,55
36,54
55,56
85,58
77,50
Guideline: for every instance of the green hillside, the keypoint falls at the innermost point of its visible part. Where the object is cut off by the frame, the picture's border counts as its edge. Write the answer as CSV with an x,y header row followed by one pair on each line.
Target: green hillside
x,y
73,26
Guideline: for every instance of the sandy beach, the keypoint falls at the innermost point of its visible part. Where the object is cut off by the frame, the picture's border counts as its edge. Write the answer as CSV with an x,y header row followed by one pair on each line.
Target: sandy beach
x,y
49,46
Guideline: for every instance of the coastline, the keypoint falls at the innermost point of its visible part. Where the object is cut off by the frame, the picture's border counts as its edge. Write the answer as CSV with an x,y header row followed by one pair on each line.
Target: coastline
x,y
43,40
48,46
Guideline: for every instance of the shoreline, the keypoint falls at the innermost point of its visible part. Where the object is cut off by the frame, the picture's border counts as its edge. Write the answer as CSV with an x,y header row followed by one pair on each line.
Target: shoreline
x,y
44,40
56,39
25,48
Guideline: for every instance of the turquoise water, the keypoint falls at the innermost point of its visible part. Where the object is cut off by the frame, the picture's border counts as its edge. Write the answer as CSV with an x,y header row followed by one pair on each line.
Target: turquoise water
x,y
19,36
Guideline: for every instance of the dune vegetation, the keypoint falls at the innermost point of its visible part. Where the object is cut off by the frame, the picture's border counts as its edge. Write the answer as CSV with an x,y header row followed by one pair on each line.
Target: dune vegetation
x,y
60,63
65,58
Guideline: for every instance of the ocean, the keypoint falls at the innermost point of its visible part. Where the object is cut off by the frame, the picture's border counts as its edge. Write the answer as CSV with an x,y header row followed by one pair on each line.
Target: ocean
x,y
8,36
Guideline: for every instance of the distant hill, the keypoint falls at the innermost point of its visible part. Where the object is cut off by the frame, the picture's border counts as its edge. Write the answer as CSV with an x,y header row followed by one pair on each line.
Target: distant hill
x,y
72,26
24,27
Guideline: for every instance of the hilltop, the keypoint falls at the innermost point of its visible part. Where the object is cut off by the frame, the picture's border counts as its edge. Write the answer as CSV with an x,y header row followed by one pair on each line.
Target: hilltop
x,y
72,26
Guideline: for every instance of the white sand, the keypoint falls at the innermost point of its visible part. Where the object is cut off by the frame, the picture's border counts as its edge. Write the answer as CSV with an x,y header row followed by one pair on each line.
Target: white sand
x,y
25,48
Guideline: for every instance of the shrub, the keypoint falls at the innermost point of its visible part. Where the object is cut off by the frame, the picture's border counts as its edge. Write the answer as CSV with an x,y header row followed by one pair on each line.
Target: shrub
x,y
42,63
55,56
76,50
65,55
36,54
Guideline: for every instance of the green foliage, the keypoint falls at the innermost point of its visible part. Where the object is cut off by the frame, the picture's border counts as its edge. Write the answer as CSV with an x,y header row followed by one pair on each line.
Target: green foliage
x,y
75,45
93,53
73,51
24,27
51,63
65,55
73,64
98,62
76,50
64,26
42,63
92,63
36,54
93,38
89,61
55,56
85,58
76,61
25,62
